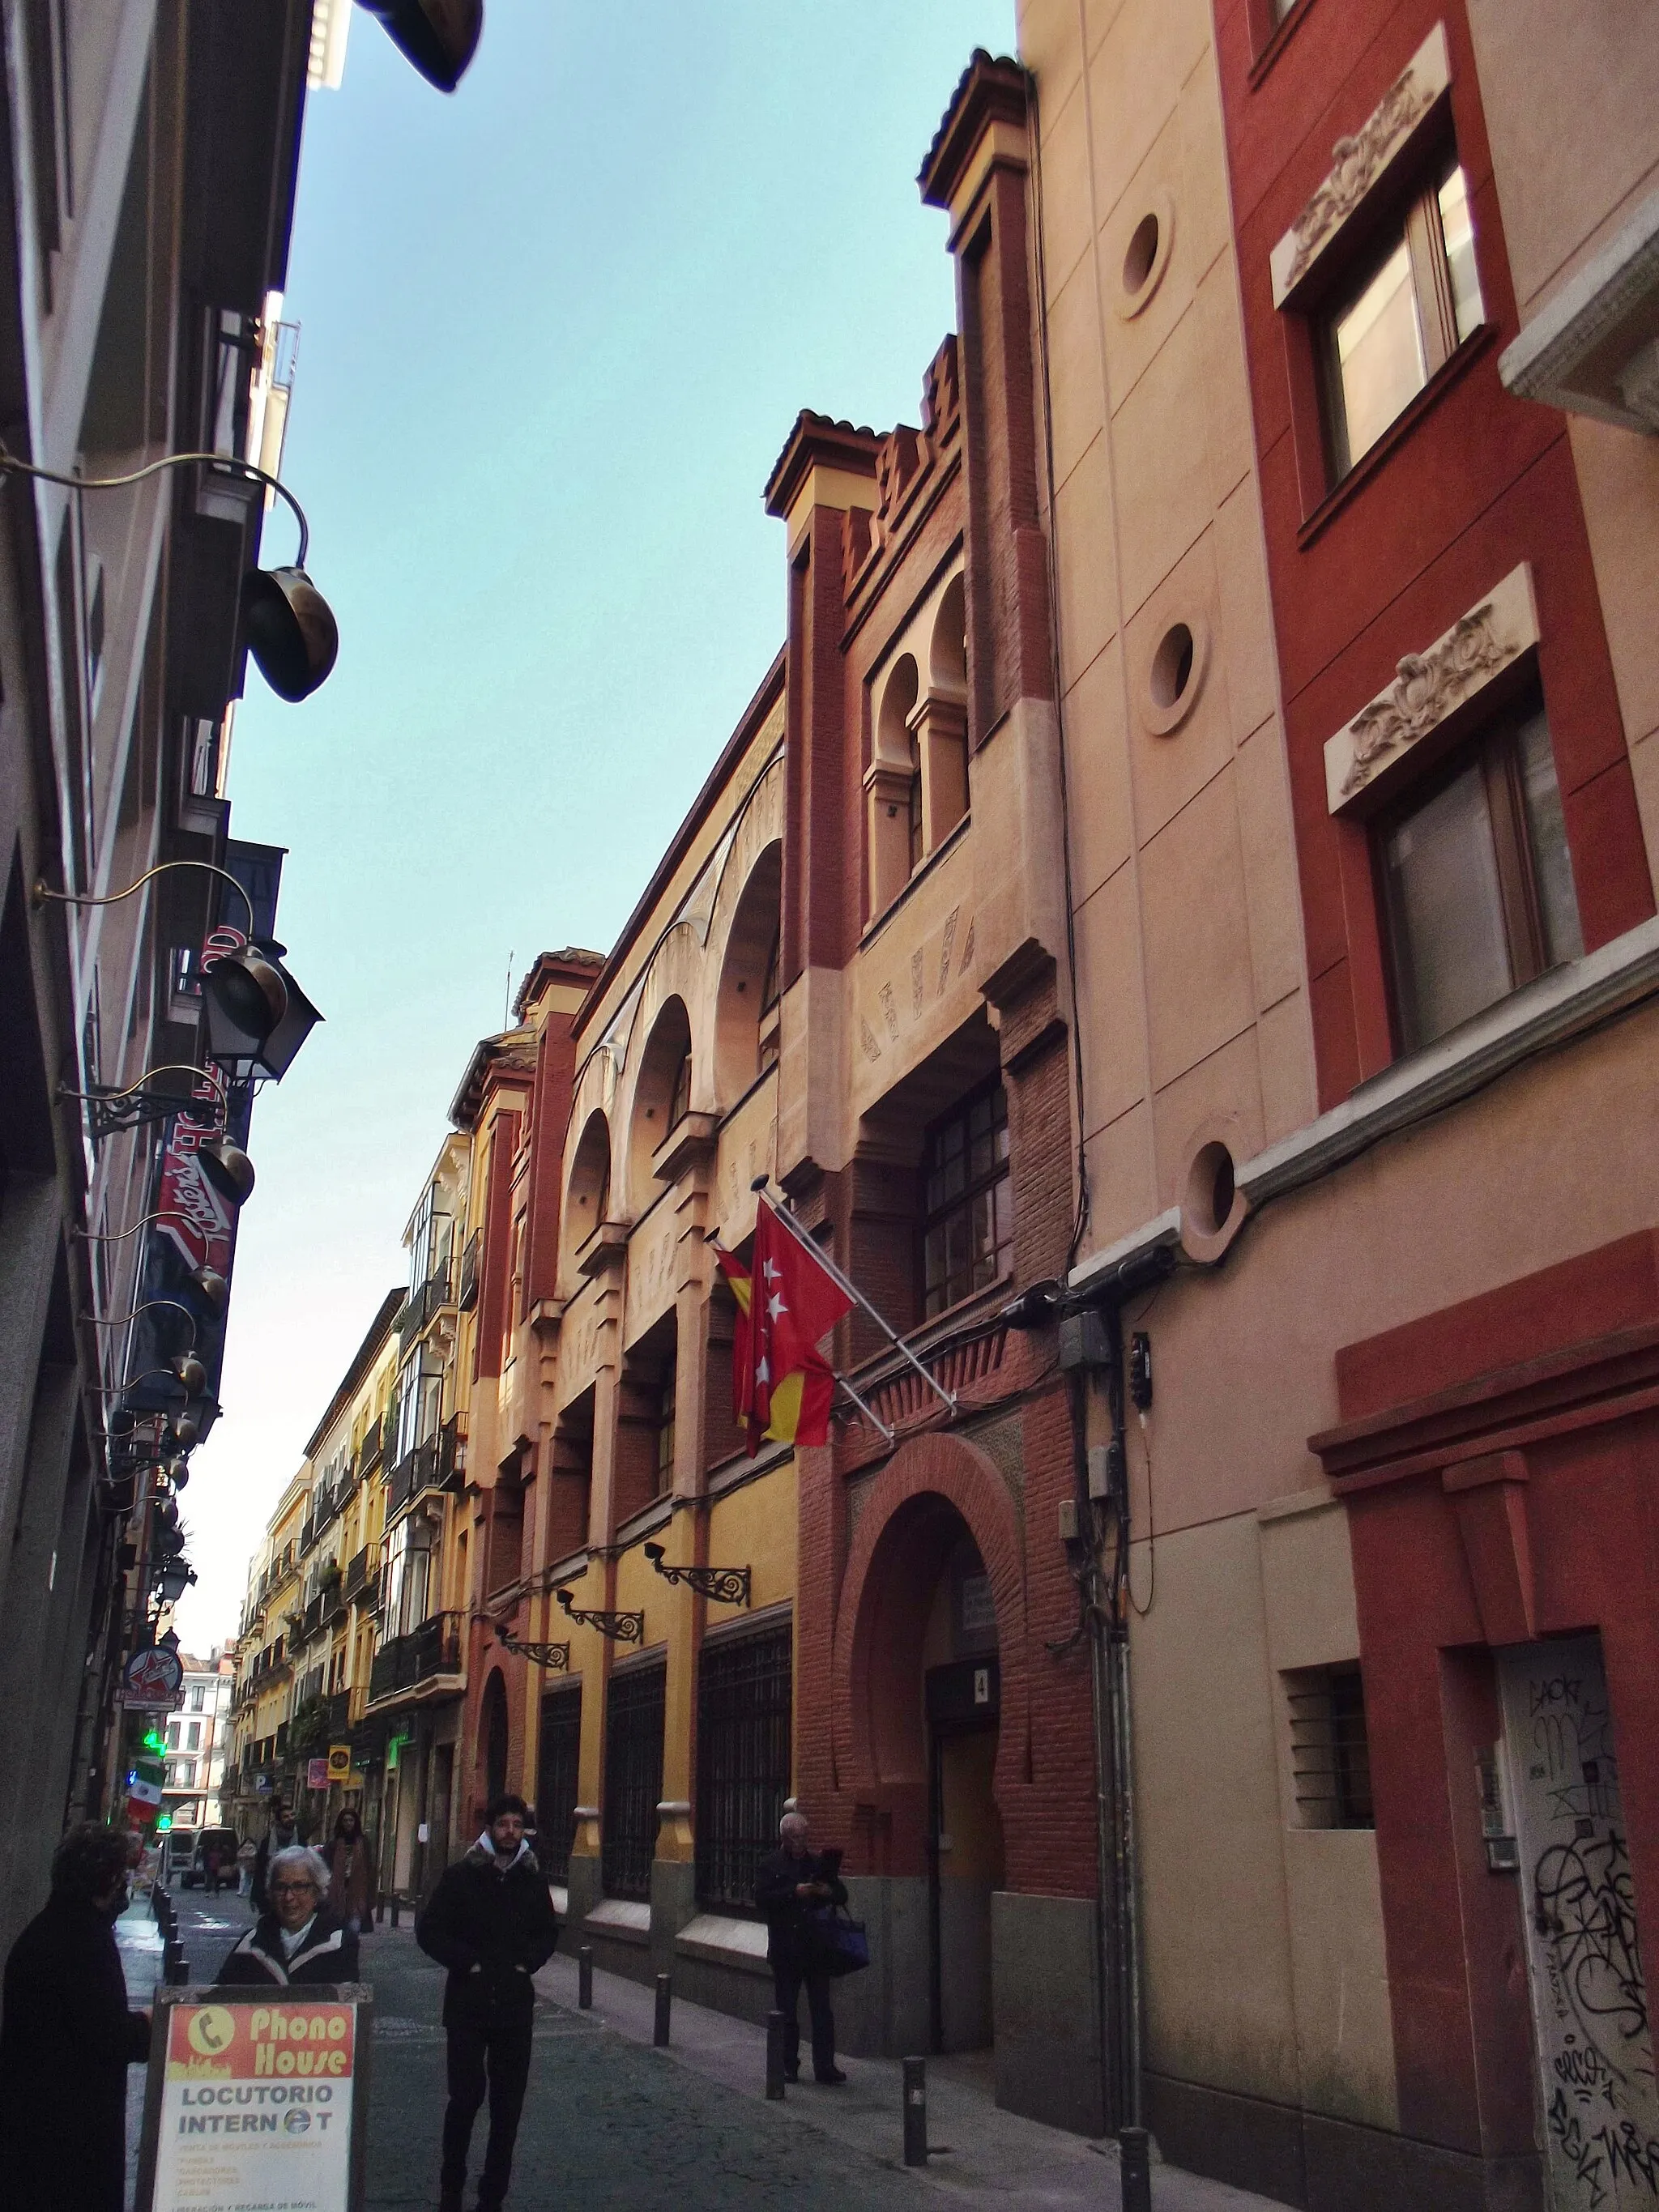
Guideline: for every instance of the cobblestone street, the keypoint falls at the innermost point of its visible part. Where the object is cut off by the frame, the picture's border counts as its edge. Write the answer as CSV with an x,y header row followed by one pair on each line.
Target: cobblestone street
x,y
615,2125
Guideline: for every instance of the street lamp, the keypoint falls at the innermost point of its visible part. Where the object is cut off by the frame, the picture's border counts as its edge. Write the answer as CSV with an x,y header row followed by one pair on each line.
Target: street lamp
x,y
243,985
287,622
174,1579
438,36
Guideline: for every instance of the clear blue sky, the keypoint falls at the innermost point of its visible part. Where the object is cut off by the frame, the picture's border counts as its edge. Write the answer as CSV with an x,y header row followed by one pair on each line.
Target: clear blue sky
x,y
553,333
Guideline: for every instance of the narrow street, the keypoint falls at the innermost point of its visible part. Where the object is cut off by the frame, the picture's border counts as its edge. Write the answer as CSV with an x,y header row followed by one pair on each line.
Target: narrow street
x,y
614,2125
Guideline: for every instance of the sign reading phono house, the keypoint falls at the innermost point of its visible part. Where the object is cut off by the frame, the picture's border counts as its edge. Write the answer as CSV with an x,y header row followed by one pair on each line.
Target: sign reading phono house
x,y
256,2105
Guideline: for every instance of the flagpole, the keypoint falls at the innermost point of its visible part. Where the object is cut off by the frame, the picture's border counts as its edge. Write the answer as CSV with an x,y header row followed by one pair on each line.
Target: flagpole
x,y
868,1412
851,1288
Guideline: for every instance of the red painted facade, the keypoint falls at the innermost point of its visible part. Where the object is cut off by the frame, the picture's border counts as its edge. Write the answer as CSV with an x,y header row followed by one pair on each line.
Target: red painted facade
x,y
1465,485
1511,1501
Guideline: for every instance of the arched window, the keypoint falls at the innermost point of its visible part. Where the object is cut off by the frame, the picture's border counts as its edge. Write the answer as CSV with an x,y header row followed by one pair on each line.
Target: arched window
x,y
746,1017
662,1095
766,1040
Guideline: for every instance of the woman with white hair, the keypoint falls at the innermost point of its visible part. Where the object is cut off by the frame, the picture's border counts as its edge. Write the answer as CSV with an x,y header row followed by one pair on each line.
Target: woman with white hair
x,y
302,1938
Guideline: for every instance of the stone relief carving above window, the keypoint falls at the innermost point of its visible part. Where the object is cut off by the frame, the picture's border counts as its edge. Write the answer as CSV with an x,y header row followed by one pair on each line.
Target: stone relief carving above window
x,y
1358,162
1430,685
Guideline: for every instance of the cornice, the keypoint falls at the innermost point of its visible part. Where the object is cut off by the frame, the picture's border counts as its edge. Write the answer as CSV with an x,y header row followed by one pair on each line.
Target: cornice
x,y
817,441
989,92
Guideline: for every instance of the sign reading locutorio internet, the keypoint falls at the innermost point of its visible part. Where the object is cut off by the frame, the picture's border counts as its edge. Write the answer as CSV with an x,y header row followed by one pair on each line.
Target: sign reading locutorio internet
x,y
256,2108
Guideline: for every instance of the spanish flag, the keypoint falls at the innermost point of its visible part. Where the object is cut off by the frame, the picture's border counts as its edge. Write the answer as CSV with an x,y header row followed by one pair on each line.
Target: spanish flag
x,y
781,1383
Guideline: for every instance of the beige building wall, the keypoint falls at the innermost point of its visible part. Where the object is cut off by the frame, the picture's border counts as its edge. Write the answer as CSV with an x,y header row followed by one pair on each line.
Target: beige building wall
x,y
1263,1944
1156,529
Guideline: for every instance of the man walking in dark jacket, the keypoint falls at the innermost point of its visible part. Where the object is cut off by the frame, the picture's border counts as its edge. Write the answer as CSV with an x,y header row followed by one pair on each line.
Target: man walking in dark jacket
x,y
491,1923
68,2038
792,1889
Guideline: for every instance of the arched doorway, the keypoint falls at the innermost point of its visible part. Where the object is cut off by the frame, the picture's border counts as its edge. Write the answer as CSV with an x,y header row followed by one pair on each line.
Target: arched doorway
x,y
925,1682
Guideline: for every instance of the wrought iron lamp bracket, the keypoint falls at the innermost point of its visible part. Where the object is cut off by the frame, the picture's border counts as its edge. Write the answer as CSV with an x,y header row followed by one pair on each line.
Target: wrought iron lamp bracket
x,y
555,1657
722,1585
618,1627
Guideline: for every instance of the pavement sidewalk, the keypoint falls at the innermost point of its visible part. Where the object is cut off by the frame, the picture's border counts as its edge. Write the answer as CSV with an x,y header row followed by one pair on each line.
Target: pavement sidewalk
x,y
992,2154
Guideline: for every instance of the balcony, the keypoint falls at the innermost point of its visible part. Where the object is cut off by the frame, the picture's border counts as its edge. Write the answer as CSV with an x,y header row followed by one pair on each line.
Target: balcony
x,y
368,1453
438,1464
451,1454
336,1715
469,1297
358,1575
432,1650
420,1307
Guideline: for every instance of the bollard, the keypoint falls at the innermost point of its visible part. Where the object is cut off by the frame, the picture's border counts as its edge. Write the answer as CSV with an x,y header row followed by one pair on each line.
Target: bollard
x,y
916,2111
665,1999
1134,2172
396,1906
585,1978
774,2057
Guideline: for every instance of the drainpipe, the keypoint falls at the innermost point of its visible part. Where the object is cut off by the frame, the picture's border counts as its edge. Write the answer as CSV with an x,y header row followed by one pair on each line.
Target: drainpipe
x,y
1091,1343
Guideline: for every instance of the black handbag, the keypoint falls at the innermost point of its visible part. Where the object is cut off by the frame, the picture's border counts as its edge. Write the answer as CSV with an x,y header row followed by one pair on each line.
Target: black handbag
x,y
840,1945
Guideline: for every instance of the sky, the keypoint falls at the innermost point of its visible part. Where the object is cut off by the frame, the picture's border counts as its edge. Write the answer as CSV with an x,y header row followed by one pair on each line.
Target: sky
x,y
554,330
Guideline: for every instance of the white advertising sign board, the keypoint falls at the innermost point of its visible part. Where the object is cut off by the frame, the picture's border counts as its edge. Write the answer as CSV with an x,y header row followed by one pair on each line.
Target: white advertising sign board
x,y
255,2099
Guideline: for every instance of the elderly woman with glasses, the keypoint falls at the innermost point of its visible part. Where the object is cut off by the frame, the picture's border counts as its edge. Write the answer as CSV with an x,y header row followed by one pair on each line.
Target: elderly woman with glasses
x,y
300,1938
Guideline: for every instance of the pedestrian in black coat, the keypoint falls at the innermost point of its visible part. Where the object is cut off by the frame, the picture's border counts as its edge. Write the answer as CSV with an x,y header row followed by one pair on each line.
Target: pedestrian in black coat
x,y
278,1837
794,1889
302,1938
67,2039
491,1923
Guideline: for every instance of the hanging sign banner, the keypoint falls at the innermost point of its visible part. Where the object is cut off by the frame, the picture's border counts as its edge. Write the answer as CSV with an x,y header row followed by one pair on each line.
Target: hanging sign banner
x,y
151,1679
255,2099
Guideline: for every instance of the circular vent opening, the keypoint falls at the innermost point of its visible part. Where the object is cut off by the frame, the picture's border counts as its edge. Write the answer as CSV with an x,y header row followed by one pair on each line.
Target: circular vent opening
x,y
1141,254
1211,1189
1172,666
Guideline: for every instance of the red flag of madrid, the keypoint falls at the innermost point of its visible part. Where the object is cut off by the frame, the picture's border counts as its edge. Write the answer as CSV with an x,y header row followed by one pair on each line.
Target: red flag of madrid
x,y
782,1385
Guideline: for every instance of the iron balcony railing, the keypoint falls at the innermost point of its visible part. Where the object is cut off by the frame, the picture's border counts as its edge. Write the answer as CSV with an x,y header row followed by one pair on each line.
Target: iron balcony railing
x,y
451,1453
357,1575
470,1271
434,1295
431,1649
440,1463
368,1455
336,1715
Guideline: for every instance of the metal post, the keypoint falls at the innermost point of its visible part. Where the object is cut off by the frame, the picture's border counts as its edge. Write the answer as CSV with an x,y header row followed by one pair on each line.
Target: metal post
x,y
665,1998
916,2111
396,1906
1134,2172
585,1978
774,2057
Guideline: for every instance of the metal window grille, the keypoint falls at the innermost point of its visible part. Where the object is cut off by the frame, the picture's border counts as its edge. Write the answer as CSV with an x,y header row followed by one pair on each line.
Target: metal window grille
x,y
743,1759
556,1782
633,1780
1330,1754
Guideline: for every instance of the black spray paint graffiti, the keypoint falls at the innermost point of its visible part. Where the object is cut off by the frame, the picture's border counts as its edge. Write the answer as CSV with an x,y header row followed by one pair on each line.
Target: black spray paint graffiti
x,y
1601,2159
1586,1910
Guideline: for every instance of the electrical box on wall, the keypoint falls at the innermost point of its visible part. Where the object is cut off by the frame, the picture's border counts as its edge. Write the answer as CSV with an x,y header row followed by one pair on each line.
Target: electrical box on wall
x,y
1102,1462
1497,1821
1084,1341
